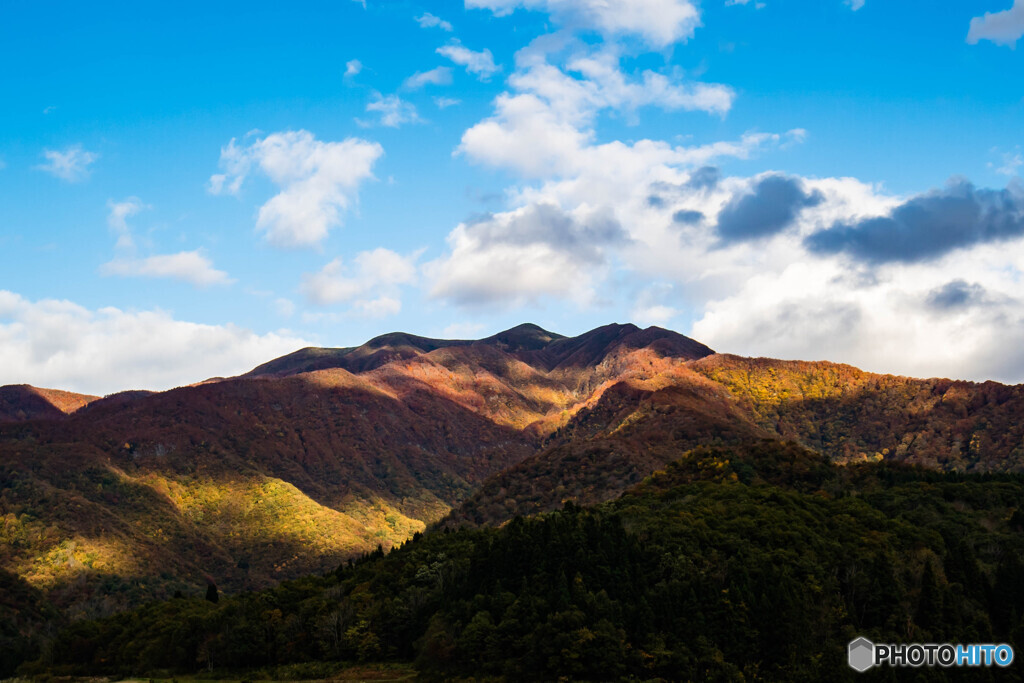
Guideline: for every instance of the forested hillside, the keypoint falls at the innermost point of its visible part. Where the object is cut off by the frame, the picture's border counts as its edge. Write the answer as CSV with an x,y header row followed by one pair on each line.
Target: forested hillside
x,y
307,461
757,562
844,413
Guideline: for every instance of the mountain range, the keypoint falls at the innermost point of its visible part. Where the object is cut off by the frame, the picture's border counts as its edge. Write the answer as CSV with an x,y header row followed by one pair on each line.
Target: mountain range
x,y
325,454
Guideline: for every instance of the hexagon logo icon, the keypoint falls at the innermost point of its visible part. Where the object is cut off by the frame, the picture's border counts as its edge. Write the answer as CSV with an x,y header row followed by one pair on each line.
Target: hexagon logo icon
x,y
861,654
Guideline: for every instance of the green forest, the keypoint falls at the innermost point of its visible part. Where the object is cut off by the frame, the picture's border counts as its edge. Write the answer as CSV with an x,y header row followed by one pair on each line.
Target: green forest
x,y
752,563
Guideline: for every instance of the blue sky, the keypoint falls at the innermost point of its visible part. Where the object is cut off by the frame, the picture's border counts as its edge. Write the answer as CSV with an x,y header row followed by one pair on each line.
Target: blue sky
x,y
187,191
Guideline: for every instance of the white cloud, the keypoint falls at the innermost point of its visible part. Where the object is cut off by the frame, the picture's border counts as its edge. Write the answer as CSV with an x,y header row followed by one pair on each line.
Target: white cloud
x,y
371,285
522,256
886,321
428,20
118,217
71,164
1002,28
60,344
854,4
528,135
441,75
189,266
657,22
547,127
479,63
445,102
318,180
730,252
392,110
352,68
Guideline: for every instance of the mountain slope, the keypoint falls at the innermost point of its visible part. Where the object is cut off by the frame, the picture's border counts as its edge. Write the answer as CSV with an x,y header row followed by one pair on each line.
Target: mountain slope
x,y
289,469
322,455
20,402
844,413
758,562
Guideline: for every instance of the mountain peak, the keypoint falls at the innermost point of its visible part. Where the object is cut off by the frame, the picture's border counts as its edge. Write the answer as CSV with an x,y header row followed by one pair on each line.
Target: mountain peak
x,y
525,337
590,348
527,342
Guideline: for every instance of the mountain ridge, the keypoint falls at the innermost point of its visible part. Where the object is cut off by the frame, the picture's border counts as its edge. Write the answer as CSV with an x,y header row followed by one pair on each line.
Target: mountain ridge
x,y
323,454
527,342
293,467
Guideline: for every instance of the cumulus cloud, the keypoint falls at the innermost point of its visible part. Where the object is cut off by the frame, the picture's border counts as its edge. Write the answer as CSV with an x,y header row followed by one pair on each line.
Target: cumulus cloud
x,y
744,256
771,205
441,75
189,266
545,127
521,256
527,135
445,102
392,110
428,20
854,4
318,182
909,319
60,344
70,164
371,286
927,226
352,68
1002,28
481,64
657,22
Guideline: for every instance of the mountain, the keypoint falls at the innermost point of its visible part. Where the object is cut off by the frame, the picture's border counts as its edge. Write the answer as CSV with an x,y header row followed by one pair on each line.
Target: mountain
x,y
20,402
756,562
304,462
844,413
324,454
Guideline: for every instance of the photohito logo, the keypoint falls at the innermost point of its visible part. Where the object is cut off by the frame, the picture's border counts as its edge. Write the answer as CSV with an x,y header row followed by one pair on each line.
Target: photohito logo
x,y
862,654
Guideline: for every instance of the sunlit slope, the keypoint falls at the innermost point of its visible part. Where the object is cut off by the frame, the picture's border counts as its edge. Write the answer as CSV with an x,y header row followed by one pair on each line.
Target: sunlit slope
x,y
648,419
753,562
295,467
19,402
324,454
